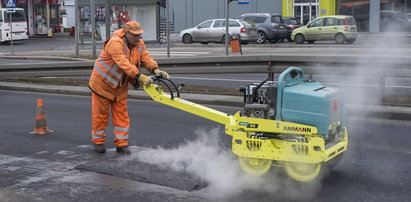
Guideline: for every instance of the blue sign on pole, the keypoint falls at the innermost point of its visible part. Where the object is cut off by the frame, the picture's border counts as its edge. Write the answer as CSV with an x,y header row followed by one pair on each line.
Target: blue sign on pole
x,y
243,2
10,3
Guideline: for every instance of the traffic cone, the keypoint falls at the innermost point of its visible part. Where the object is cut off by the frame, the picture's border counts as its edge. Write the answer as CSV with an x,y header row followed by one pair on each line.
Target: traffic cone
x,y
41,123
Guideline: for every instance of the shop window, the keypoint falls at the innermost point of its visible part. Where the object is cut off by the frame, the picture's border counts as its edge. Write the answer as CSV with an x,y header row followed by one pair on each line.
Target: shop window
x,y
118,15
394,16
360,10
144,14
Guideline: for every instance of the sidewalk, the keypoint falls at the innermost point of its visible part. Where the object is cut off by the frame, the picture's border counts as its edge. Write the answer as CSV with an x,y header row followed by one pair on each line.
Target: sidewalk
x,y
369,111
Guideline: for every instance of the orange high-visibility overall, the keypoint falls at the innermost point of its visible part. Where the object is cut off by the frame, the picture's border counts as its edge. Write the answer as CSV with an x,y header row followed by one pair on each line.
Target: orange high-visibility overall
x,y
116,66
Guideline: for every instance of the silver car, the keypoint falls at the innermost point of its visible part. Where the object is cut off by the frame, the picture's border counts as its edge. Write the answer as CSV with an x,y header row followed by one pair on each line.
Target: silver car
x,y
214,31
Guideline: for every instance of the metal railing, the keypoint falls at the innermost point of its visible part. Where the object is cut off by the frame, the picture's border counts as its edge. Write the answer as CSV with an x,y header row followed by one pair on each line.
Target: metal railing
x,y
377,67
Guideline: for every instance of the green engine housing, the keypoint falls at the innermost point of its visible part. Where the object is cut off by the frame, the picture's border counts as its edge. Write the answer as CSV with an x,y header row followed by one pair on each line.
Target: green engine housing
x,y
309,102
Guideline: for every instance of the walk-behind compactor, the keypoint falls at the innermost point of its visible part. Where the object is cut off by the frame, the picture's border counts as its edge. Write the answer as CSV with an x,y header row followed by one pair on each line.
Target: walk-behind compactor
x,y
293,123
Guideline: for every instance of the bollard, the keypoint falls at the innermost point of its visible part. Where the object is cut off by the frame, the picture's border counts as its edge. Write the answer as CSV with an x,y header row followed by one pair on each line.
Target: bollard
x,y
235,44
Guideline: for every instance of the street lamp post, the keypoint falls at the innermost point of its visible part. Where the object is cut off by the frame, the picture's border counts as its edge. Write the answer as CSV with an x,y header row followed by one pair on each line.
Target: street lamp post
x,y
77,27
93,27
168,27
227,3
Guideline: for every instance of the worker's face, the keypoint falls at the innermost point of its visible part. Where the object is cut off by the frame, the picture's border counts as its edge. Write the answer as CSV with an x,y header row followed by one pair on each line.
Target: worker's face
x,y
133,38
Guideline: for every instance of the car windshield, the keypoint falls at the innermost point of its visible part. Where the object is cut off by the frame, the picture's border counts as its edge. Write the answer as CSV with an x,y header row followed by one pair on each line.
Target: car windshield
x,y
275,19
219,23
234,24
17,16
331,22
351,21
255,19
205,24
291,21
246,24
317,23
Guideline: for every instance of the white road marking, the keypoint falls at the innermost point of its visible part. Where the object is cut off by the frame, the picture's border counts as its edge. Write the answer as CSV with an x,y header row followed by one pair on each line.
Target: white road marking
x,y
256,81
212,79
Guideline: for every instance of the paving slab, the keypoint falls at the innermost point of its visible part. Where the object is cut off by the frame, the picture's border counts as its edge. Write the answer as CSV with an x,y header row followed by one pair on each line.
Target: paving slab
x,y
129,167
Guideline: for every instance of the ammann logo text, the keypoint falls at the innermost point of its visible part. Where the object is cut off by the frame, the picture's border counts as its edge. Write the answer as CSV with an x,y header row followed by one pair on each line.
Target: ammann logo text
x,y
297,129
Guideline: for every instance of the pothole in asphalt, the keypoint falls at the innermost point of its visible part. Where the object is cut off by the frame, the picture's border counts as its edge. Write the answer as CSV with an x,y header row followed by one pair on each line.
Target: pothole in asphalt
x,y
126,167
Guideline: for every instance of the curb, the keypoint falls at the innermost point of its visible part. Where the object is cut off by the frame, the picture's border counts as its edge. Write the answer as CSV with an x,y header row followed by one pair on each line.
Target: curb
x,y
33,57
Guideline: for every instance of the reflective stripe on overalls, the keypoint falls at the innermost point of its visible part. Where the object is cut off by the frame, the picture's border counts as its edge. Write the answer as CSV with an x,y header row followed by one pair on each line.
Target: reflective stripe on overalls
x,y
114,77
99,134
121,133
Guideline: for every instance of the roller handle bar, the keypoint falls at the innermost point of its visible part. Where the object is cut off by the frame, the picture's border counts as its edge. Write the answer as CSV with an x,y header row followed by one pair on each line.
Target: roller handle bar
x,y
168,83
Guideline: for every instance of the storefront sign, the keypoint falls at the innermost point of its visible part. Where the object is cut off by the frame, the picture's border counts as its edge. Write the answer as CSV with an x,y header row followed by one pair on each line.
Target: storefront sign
x,y
50,1
21,1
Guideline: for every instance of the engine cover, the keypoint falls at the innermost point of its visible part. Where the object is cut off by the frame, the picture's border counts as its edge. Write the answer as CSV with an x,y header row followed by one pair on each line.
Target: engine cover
x,y
313,104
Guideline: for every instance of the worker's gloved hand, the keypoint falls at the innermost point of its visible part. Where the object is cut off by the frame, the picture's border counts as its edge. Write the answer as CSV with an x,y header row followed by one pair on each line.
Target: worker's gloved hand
x,y
145,80
163,74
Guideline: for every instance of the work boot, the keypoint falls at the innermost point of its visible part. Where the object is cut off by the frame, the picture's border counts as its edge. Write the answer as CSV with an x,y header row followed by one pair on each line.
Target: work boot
x,y
99,148
123,150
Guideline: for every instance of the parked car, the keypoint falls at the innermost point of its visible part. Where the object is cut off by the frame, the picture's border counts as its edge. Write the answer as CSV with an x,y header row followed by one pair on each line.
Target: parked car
x,y
214,30
291,24
270,26
340,28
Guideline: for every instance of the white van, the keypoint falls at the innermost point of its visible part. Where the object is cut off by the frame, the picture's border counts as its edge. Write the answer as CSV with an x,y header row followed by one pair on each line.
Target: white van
x,y
19,25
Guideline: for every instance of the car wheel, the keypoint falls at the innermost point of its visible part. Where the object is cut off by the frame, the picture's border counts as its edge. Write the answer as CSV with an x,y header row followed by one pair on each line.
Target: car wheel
x,y
340,38
261,38
187,38
310,42
273,40
299,39
351,41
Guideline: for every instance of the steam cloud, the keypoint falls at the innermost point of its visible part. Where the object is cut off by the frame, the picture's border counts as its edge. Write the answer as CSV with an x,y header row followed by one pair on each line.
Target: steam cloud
x,y
207,158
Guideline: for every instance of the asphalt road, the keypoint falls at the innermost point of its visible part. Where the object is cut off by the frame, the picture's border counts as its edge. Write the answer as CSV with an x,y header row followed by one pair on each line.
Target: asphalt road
x,y
51,167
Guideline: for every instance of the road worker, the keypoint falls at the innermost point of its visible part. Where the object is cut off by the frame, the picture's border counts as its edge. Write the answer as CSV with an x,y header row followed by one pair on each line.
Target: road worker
x,y
118,64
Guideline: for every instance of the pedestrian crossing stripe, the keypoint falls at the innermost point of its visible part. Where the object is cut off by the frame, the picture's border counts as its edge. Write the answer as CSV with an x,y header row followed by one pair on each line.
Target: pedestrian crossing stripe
x,y
11,4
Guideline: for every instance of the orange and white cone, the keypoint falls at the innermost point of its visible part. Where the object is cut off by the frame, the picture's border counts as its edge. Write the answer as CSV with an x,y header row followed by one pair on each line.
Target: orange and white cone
x,y
41,123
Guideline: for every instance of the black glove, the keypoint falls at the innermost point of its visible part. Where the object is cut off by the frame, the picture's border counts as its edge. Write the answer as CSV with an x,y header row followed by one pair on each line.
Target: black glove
x,y
136,84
